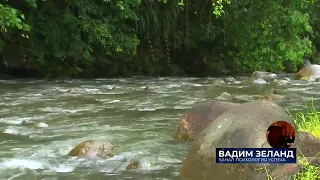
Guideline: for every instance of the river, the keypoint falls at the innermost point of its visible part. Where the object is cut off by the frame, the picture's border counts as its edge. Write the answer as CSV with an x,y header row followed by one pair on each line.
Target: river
x,y
139,122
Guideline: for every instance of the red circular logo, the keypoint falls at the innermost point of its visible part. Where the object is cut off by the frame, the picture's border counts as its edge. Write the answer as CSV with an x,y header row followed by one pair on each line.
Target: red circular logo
x,y
280,134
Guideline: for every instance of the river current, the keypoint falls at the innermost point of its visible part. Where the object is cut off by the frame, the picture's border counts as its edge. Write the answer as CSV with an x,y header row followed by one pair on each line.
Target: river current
x,y
139,122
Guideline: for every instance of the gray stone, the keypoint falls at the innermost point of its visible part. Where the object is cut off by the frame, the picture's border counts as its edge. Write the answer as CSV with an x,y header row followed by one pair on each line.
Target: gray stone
x,y
267,76
243,126
195,120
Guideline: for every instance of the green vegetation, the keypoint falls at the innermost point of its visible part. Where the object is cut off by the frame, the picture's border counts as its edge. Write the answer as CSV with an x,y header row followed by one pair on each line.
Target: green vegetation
x,y
309,172
308,122
141,37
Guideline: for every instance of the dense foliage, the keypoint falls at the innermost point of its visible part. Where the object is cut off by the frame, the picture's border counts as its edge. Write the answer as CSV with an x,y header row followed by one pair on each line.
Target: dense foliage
x,y
156,37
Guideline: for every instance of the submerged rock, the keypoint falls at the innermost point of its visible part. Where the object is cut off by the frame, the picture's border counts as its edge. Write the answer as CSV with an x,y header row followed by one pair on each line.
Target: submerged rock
x,y
272,97
218,81
133,165
282,81
224,97
273,91
93,149
231,80
35,124
195,120
267,76
243,126
274,94
41,125
259,81
75,90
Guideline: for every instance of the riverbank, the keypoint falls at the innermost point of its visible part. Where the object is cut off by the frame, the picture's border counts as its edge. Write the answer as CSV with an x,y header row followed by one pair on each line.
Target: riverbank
x,y
308,122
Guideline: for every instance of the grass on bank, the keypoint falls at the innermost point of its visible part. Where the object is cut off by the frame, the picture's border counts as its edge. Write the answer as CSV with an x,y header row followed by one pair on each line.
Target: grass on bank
x,y
308,122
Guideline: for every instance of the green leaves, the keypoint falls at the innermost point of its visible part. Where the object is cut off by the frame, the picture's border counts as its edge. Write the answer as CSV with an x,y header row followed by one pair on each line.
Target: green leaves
x,y
68,36
277,34
31,3
11,18
218,7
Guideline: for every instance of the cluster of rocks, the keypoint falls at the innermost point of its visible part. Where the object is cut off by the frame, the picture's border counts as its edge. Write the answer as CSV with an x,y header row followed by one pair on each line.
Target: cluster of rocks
x,y
310,73
215,124
257,77
218,123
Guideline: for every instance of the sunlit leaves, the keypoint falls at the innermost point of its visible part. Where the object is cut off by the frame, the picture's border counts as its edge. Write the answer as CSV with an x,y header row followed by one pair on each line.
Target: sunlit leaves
x,y
11,18
181,3
218,7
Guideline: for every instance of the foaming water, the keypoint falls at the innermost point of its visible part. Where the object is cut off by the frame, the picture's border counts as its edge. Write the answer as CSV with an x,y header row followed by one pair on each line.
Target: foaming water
x,y
138,115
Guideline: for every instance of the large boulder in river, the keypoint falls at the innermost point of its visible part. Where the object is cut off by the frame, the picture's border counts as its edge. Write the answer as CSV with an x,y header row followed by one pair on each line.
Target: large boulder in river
x,y
267,76
310,72
243,126
93,149
195,120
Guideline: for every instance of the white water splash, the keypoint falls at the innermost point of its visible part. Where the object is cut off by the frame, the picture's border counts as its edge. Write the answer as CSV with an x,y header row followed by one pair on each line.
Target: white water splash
x,y
21,164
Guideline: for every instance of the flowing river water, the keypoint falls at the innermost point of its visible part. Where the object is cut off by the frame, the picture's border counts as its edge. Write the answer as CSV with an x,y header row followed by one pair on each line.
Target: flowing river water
x,y
139,122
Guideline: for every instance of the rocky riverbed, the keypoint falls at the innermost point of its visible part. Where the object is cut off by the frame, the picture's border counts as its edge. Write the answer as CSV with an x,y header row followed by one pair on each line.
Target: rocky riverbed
x,y
41,121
